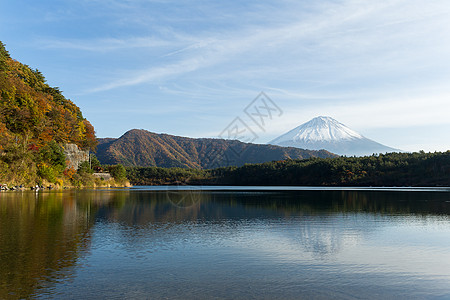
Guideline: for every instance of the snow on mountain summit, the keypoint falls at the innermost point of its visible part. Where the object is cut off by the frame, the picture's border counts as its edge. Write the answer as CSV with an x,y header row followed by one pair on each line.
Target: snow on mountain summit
x,y
322,129
329,134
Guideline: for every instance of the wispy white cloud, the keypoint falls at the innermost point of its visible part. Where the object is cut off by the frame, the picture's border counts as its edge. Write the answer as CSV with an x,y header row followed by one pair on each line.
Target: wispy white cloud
x,y
196,46
351,36
371,64
153,74
107,44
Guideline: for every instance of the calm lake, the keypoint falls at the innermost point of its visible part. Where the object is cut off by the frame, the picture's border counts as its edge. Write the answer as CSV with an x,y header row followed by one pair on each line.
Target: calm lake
x,y
225,243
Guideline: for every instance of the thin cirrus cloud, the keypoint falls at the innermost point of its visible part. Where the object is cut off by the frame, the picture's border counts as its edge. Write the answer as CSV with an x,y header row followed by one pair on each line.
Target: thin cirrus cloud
x,y
105,45
331,43
354,62
152,74
376,64
344,35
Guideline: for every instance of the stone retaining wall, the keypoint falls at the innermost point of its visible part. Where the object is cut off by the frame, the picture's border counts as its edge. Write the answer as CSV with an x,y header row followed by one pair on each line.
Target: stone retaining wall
x,y
105,176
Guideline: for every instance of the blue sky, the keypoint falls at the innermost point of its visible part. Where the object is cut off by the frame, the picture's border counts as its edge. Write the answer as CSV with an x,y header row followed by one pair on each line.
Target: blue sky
x,y
190,67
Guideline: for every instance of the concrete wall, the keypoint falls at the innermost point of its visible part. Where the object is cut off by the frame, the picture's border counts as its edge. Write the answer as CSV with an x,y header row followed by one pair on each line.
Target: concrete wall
x,y
105,176
74,156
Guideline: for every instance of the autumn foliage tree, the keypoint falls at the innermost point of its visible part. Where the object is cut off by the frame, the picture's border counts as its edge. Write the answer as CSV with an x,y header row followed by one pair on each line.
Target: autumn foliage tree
x,y
30,108
29,104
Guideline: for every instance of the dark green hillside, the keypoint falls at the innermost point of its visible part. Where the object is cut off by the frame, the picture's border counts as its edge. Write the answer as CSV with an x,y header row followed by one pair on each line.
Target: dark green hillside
x,y
394,169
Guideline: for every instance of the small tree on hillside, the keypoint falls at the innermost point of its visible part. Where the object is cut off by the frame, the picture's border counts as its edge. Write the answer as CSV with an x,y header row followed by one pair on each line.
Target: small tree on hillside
x,y
118,172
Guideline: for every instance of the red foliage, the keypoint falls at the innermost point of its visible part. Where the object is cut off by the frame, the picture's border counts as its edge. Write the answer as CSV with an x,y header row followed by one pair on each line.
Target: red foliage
x,y
69,172
33,147
30,106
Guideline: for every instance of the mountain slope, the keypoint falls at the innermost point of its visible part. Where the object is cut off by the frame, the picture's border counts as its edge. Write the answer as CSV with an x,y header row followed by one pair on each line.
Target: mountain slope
x,y
30,108
35,121
329,134
143,148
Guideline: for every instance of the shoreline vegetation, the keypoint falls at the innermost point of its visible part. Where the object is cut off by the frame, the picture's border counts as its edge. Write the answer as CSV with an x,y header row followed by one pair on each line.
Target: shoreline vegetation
x,y
84,177
36,120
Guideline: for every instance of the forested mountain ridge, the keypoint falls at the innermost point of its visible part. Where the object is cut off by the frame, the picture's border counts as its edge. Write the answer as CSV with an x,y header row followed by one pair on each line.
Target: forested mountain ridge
x,y
35,120
141,148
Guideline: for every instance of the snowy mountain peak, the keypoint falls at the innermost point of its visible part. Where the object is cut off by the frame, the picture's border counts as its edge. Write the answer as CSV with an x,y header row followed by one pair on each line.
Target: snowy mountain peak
x,y
319,129
329,134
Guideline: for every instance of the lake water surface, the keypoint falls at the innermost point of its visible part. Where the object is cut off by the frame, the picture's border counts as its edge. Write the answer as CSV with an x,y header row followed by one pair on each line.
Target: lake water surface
x,y
225,243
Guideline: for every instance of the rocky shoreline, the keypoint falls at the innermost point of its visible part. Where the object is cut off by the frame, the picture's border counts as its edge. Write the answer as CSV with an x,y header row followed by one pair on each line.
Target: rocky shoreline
x,y
5,187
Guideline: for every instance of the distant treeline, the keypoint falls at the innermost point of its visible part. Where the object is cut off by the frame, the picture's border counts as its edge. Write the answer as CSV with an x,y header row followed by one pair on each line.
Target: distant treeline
x,y
166,176
393,169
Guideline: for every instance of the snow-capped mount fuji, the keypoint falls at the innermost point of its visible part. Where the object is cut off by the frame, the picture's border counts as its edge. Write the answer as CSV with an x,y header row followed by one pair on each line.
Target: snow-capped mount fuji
x,y
329,134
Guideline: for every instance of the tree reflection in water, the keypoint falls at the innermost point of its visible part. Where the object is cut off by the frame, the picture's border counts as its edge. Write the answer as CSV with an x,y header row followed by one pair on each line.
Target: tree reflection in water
x,y
45,236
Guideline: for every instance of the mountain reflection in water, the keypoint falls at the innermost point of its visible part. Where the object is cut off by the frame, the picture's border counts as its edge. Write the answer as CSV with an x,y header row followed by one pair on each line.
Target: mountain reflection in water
x,y
47,237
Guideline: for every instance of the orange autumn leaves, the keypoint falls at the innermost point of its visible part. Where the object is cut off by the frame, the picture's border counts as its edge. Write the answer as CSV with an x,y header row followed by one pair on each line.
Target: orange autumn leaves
x,y
28,105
